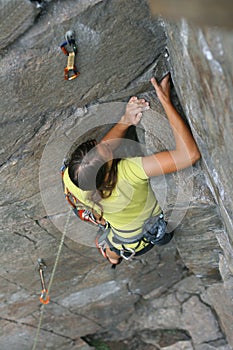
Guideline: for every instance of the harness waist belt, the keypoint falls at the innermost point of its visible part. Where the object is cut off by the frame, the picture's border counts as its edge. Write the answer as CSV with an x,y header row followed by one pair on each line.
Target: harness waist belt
x,y
119,239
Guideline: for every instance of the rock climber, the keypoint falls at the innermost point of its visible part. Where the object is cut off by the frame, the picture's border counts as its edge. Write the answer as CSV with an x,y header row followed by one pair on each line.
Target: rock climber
x,y
118,192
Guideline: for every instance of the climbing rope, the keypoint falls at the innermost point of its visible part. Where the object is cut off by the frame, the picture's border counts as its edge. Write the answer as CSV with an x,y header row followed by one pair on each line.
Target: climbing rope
x,y
51,279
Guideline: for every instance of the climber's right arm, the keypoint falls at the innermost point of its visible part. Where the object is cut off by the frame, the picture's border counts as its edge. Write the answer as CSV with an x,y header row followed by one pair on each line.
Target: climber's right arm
x,y
186,151
132,116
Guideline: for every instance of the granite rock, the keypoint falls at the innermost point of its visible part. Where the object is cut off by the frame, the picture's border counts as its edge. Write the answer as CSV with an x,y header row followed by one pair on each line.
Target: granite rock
x,y
171,291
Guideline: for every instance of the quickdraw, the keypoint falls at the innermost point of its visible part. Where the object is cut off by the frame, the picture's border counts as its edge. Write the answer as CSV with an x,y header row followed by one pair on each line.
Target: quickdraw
x,y
44,297
69,48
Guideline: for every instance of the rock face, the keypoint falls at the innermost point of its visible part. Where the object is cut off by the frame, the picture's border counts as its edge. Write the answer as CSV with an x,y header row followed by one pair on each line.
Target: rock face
x,y
16,18
213,14
175,297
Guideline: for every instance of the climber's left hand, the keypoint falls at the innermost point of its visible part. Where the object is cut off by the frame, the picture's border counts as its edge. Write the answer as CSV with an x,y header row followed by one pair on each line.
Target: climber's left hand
x,y
134,110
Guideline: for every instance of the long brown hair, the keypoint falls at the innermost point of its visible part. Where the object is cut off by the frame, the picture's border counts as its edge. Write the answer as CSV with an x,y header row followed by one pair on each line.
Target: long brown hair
x,y
88,171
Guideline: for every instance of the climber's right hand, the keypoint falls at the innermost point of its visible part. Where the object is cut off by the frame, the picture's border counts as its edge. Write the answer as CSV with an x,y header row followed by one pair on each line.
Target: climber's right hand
x,y
162,89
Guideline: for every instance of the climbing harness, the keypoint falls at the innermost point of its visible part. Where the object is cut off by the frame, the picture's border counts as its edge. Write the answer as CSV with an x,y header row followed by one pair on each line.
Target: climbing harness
x,y
69,48
152,233
44,297
51,279
101,245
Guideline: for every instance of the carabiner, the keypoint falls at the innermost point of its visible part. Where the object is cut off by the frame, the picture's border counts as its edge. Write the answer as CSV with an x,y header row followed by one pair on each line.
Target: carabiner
x,y
71,73
125,250
70,36
44,297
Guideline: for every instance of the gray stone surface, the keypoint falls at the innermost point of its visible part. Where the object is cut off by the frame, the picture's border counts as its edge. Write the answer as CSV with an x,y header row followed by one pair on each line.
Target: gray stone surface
x,y
101,37
214,13
222,303
185,315
196,324
181,345
171,298
16,17
203,74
